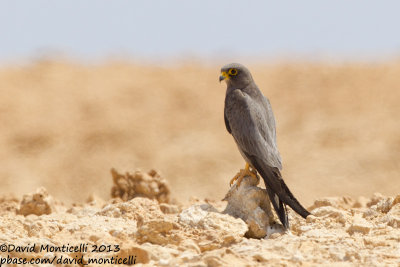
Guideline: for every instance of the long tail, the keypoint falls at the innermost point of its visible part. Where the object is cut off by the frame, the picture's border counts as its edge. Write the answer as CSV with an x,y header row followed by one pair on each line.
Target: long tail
x,y
279,193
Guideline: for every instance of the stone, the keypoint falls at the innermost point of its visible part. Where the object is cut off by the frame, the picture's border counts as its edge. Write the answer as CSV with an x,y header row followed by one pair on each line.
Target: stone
x,y
38,203
138,184
331,213
359,225
205,216
252,205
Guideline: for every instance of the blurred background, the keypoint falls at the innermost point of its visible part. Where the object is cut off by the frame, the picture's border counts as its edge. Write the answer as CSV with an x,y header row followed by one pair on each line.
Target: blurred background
x,y
90,85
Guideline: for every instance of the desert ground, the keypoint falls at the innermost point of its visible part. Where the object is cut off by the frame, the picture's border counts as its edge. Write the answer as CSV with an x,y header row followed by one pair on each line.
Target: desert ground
x,y
65,125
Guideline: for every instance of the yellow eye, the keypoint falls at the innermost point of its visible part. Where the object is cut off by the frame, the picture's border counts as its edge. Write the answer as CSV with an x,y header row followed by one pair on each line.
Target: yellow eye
x,y
233,72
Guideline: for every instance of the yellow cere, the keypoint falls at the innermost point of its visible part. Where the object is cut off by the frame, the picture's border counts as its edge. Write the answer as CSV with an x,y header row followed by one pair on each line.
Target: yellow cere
x,y
226,75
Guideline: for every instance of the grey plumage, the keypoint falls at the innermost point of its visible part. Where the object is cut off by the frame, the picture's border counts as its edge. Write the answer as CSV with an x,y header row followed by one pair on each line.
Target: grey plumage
x,y
249,118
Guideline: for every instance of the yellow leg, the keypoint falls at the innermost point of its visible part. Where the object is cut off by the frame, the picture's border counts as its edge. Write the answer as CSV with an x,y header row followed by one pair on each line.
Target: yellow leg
x,y
241,174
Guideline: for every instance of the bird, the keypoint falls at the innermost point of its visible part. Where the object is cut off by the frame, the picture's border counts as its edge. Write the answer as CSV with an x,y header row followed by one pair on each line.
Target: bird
x,y
249,119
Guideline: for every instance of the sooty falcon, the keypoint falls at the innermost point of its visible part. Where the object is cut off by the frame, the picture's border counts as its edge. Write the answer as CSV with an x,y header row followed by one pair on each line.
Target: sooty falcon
x,y
249,119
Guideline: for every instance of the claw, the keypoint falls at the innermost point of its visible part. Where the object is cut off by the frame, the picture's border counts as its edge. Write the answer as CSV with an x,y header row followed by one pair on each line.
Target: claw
x,y
241,174
235,178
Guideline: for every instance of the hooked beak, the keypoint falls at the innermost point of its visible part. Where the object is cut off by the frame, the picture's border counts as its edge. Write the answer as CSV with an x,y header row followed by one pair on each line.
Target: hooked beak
x,y
224,76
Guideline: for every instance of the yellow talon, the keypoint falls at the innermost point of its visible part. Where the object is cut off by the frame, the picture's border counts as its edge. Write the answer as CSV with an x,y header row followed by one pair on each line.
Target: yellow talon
x,y
241,174
235,178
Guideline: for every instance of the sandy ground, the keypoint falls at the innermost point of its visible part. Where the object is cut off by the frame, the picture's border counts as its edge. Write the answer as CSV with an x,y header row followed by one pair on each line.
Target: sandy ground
x,y
65,125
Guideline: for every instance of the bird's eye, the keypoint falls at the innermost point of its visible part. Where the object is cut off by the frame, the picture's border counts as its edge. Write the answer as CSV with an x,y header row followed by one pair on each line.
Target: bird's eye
x,y
233,72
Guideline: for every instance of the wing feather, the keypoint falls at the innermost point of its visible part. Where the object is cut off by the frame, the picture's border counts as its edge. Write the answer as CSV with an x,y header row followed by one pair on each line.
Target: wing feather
x,y
228,127
252,125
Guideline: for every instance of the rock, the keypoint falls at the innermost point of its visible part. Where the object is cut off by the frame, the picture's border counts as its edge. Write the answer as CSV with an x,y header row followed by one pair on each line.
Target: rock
x,y
94,200
311,218
157,232
384,205
359,225
337,202
138,209
332,213
195,215
9,204
38,203
252,205
188,256
396,200
393,216
213,261
168,208
394,221
140,255
205,216
331,202
395,210
361,202
375,199
150,185
190,245
210,228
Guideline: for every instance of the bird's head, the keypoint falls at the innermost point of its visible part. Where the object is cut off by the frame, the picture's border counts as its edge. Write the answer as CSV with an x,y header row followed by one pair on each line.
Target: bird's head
x,y
236,75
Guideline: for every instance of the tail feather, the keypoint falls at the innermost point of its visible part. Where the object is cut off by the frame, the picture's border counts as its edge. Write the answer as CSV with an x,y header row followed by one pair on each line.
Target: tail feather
x,y
279,193
290,200
279,207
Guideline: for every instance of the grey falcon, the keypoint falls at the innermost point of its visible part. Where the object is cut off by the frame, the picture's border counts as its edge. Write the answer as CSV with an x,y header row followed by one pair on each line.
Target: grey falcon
x,y
249,119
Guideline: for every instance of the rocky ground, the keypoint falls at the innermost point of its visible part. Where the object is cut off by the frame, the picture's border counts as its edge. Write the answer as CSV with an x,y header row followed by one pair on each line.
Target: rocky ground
x,y
142,221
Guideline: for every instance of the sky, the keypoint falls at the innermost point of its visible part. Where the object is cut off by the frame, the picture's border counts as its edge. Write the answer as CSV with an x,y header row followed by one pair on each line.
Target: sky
x,y
209,30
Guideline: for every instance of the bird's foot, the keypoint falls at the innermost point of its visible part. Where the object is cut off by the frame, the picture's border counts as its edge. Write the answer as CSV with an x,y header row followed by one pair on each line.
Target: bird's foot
x,y
238,177
243,173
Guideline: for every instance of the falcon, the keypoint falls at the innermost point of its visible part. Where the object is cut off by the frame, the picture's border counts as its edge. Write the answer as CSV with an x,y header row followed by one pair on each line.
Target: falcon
x,y
249,119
